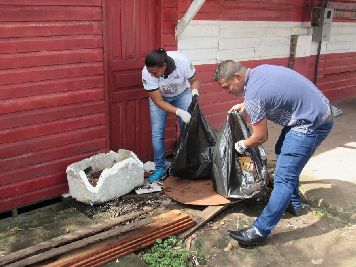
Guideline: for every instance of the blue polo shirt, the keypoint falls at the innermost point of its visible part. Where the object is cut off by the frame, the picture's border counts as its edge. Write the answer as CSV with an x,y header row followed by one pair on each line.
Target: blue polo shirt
x,y
284,97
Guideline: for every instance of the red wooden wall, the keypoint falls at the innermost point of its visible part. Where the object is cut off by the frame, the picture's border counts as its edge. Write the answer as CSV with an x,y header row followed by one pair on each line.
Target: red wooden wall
x,y
53,100
52,109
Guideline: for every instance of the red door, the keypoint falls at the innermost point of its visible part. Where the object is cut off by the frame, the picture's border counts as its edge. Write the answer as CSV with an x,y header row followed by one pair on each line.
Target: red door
x,y
132,29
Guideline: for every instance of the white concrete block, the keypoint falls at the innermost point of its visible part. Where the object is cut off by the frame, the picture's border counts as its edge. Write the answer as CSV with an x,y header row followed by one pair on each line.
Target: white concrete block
x,y
121,173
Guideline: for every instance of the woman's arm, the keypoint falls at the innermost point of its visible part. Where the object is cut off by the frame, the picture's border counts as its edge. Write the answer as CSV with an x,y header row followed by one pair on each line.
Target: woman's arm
x,y
159,102
194,82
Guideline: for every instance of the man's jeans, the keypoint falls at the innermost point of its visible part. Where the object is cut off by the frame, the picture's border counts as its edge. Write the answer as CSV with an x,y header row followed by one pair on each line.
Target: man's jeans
x,y
158,124
293,150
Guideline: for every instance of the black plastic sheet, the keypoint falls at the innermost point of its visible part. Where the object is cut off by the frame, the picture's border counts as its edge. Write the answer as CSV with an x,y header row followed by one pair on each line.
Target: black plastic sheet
x,y
228,177
193,156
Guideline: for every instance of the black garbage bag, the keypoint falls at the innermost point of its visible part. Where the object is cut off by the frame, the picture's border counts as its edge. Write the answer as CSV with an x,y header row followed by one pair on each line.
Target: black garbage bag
x,y
235,175
193,155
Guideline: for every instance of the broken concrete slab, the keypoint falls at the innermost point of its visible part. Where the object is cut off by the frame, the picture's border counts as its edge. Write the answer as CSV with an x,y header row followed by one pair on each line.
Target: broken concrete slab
x,y
121,173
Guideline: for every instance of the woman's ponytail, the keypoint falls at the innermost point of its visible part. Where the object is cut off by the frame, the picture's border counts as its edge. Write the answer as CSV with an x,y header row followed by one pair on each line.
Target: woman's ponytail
x,y
156,58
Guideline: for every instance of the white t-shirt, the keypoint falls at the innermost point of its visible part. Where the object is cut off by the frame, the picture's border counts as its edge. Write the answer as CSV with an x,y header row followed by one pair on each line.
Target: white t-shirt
x,y
176,82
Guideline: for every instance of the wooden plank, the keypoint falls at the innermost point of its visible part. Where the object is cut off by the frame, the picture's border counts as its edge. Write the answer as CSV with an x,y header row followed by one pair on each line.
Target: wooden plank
x,y
50,100
36,116
49,13
53,140
129,248
49,29
65,239
164,225
32,131
24,188
43,169
50,72
193,9
44,58
53,43
34,196
52,2
50,86
60,152
206,215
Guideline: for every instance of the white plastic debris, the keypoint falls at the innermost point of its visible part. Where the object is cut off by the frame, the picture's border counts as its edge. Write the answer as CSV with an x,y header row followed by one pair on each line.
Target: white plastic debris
x,y
148,188
149,166
121,173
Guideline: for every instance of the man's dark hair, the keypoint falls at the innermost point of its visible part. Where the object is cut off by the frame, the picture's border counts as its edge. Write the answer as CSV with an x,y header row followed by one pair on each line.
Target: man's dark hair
x,y
156,58
227,69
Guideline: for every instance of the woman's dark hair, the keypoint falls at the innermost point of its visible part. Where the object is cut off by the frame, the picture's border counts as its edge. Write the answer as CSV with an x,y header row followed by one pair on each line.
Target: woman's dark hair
x,y
156,58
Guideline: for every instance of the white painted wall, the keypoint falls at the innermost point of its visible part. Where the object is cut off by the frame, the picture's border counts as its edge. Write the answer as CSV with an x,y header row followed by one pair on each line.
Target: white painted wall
x,y
208,42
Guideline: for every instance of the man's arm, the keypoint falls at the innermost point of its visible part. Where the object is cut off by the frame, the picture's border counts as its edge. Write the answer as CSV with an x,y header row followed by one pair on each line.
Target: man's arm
x,y
259,134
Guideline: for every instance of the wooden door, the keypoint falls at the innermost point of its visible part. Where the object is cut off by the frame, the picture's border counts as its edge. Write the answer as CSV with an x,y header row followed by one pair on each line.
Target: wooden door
x,y
132,29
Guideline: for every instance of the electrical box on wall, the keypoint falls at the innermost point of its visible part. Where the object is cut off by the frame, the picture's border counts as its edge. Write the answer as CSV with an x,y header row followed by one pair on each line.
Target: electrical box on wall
x,y
321,22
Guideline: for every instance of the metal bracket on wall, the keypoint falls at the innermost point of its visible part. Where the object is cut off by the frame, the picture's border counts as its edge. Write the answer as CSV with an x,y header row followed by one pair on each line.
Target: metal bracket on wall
x,y
188,16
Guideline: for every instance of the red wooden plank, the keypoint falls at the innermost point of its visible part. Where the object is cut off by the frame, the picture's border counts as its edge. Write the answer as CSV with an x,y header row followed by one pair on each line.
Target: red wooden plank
x,y
38,157
42,101
170,3
28,186
36,59
170,14
248,10
50,72
33,44
169,27
29,117
34,196
44,169
339,55
340,69
48,128
49,13
50,86
53,140
52,2
338,94
28,29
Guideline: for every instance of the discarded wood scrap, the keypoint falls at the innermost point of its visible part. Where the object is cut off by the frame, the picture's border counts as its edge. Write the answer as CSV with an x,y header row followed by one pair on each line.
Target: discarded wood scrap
x,y
79,244
127,239
65,239
205,216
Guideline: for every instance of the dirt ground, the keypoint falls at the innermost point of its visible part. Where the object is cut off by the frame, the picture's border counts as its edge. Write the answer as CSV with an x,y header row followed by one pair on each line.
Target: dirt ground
x,y
316,238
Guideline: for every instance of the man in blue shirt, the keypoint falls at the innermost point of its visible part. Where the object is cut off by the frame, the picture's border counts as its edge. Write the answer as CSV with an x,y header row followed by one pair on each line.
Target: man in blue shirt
x,y
289,99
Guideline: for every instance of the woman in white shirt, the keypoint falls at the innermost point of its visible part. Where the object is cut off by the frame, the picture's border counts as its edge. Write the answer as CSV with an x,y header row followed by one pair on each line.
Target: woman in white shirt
x,y
170,80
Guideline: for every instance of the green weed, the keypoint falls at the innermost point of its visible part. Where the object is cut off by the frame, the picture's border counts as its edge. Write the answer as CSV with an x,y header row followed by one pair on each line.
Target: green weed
x,y
167,253
320,213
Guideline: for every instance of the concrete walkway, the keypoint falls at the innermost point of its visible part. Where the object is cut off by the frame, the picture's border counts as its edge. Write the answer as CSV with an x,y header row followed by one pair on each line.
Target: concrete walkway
x,y
329,178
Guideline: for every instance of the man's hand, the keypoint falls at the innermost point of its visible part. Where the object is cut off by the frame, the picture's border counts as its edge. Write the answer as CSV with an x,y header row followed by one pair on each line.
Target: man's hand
x,y
240,147
184,115
239,108
195,92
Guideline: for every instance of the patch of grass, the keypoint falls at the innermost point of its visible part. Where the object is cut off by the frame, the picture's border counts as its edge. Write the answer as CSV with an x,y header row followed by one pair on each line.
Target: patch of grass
x,y
199,243
167,253
320,213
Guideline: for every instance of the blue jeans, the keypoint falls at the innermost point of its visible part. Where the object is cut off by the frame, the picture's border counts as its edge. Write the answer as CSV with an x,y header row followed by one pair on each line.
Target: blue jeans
x,y
158,124
293,150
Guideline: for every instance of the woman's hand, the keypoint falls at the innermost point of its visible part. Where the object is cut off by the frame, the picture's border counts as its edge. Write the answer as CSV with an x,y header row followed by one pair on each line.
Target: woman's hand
x,y
184,115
